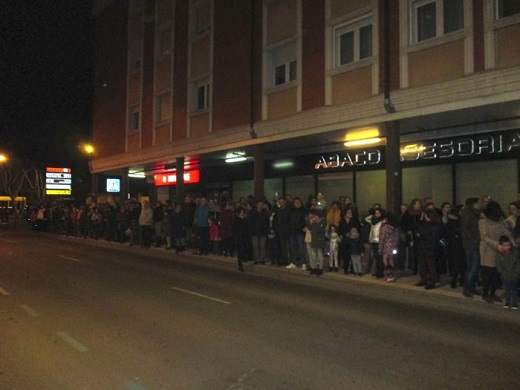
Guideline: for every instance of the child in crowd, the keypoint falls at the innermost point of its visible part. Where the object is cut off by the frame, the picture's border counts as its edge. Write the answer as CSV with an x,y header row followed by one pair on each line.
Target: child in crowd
x,y
356,249
334,240
317,228
508,266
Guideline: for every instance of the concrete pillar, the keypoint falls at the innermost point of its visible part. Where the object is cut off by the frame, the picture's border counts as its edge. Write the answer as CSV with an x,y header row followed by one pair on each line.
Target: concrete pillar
x,y
259,172
179,187
394,181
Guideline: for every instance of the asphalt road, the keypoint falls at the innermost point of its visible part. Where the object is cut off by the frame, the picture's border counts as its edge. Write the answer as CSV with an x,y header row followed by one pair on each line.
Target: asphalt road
x,y
84,314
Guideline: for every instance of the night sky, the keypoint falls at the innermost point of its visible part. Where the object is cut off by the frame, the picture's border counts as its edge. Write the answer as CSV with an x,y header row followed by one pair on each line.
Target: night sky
x,y
46,73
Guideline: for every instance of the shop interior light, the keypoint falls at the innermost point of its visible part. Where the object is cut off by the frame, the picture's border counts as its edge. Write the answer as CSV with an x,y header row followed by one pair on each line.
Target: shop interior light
x,y
138,175
361,142
235,157
361,137
283,164
412,148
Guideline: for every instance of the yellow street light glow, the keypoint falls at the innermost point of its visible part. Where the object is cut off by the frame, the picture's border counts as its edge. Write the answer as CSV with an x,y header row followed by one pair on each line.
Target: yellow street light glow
x,y
88,148
3,158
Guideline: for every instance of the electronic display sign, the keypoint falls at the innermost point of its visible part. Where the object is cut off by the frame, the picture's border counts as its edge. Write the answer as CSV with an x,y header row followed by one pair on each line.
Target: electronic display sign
x,y
58,181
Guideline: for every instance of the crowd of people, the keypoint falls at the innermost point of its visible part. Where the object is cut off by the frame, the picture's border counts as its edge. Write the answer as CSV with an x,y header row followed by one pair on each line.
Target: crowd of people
x,y
475,243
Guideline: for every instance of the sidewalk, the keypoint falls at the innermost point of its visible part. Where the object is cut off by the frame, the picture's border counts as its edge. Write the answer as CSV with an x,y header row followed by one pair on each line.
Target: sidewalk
x,y
404,280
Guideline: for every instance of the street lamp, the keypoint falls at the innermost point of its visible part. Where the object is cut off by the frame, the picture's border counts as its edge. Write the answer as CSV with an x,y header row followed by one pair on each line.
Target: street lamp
x,y
3,158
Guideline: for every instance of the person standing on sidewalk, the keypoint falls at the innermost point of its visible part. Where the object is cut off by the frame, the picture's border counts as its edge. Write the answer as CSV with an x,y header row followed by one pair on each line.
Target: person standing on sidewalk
x,y
297,234
508,265
469,218
145,224
491,228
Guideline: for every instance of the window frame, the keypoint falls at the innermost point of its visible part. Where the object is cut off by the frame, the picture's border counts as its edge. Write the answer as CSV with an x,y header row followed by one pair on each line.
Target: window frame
x,y
352,27
497,6
134,119
284,55
162,100
440,26
203,84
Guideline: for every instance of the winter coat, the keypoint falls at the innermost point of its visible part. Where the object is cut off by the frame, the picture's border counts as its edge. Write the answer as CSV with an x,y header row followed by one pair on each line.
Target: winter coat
x,y
356,246
258,222
178,220
317,228
490,232
508,265
469,218
429,235
226,223
388,239
297,220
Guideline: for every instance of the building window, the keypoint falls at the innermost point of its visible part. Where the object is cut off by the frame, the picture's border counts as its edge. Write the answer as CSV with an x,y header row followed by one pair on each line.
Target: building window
x,y
133,119
282,64
165,42
506,8
433,19
353,42
201,96
200,18
163,107
285,73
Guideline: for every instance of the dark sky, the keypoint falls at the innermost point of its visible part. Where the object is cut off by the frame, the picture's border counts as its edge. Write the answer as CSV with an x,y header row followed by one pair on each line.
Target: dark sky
x,y
46,72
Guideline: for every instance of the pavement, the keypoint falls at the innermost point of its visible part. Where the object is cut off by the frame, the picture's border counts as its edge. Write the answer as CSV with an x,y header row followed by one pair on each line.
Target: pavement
x,y
404,280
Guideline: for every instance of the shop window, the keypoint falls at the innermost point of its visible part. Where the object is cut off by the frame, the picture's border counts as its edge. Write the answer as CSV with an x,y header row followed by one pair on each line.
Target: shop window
x,y
353,41
282,64
432,19
506,8
134,119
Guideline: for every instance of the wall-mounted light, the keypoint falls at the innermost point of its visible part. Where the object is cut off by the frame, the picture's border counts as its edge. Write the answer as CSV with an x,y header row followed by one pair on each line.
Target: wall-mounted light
x,y
362,137
235,157
361,142
283,164
138,175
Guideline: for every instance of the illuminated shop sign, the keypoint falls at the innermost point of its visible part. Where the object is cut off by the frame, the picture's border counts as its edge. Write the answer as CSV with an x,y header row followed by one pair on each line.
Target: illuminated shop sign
x,y
479,145
58,181
169,179
359,158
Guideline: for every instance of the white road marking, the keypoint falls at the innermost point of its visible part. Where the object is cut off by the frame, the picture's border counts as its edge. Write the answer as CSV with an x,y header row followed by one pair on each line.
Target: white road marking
x,y
70,258
30,311
6,240
72,342
202,296
131,385
4,292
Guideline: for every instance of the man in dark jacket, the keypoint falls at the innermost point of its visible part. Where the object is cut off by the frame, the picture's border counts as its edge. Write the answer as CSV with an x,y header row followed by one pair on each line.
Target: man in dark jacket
x,y
258,221
281,220
471,242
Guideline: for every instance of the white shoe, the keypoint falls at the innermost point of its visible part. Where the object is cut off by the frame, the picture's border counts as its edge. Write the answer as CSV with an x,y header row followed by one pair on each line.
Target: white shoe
x,y
291,266
304,267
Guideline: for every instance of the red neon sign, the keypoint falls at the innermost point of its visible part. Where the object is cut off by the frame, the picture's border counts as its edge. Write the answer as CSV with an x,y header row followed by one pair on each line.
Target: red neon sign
x,y
169,179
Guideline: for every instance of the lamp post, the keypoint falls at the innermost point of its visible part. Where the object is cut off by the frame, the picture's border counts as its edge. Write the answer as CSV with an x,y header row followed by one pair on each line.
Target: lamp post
x,y
89,150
